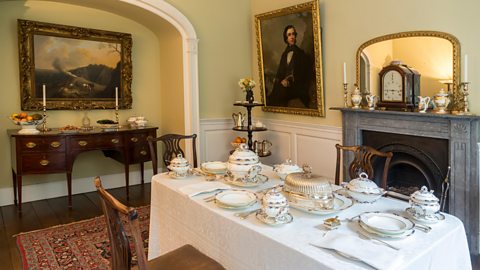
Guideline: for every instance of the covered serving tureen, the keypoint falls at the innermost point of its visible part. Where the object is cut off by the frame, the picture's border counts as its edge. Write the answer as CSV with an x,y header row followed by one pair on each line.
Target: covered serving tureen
x,y
424,203
274,204
282,170
364,190
179,166
243,165
304,189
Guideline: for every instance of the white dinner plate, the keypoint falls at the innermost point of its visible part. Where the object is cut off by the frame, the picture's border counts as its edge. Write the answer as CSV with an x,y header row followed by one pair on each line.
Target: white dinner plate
x,y
285,219
236,198
386,223
215,167
340,203
426,220
372,232
225,206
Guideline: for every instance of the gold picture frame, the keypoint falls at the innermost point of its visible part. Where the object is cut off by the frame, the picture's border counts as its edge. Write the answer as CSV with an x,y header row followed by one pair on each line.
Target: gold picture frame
x,y
81,68
291,82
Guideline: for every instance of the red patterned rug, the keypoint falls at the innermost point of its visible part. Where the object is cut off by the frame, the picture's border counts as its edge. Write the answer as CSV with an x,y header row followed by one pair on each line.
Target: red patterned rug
x,y
79,245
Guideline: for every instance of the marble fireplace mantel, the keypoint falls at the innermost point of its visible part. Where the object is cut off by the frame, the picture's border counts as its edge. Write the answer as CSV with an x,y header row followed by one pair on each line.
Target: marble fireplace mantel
x,y
462,133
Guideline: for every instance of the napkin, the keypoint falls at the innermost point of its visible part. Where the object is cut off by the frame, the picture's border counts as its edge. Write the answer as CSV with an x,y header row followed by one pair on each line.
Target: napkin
x,y
377,255
203,187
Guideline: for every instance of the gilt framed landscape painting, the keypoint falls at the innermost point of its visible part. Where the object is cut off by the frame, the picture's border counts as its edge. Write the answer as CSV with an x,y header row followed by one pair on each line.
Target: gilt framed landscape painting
x,y
290,60
80,68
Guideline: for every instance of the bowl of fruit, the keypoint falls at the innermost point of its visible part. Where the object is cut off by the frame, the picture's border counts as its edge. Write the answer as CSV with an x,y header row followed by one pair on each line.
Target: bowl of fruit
x,y
238,140
27,122
108,125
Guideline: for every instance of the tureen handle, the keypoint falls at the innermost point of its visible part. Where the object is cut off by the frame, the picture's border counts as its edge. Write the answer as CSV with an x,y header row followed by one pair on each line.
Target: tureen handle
x,y
307,170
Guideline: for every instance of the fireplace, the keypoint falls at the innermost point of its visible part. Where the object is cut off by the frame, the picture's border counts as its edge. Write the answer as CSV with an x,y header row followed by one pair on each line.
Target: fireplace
x,y
424,145
417,161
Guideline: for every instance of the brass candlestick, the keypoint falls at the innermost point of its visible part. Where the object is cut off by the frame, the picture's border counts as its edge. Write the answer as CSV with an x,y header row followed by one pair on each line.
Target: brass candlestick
x,y
466,110
345,95
44,124
116,116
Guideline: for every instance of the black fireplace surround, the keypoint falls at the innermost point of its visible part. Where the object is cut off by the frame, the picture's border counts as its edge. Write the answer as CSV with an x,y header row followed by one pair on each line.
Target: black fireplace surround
x,y
416,162
424,145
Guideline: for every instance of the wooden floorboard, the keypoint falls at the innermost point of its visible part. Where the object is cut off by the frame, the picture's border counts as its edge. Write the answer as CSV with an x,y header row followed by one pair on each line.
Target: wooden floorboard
x,y
50,212
4,249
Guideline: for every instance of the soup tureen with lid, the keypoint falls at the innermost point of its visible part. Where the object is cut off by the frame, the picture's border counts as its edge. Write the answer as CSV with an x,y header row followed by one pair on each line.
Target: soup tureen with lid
x,y
286,168
364,190
243,166
179,166
424,203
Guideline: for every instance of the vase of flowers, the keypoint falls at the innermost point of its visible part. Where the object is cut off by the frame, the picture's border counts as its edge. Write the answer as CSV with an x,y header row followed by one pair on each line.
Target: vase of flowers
x,y
247,85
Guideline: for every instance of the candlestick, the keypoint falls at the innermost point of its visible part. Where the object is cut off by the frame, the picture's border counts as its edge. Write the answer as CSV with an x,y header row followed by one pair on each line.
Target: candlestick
x,y
345,95
466,110
44,124
44,92
344,73
116,96
465,71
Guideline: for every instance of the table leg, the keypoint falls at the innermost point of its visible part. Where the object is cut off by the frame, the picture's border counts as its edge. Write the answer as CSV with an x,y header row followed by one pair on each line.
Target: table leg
x,y
14,178
19,191
127,179
141,171
69,188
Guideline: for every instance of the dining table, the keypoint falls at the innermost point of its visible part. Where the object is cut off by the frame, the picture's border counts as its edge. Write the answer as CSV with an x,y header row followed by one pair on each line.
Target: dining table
x,y
178,218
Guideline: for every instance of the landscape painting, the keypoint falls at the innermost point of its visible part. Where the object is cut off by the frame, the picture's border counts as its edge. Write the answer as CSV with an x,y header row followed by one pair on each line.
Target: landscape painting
x,y
79,67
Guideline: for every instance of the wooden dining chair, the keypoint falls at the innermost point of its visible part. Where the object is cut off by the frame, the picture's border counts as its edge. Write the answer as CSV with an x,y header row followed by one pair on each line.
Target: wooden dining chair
x,y
362,162
183,258
172,148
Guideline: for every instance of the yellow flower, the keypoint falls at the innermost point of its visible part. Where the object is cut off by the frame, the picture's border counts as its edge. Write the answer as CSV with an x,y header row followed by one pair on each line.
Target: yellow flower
x,y
246,84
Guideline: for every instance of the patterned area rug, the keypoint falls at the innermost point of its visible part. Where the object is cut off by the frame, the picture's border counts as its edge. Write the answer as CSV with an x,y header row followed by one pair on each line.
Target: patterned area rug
x,y
79,245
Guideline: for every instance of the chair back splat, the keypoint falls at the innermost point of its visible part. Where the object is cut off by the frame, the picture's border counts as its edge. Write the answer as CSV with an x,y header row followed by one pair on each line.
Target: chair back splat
x,y
172,148
362,162
183,258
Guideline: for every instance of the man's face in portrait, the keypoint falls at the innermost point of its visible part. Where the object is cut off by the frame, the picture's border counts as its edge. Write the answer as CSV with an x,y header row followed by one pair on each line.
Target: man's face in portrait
x,y
291,36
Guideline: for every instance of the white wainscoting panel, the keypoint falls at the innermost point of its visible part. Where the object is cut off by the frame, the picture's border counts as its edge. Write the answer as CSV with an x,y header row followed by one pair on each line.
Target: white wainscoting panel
x,y
303,143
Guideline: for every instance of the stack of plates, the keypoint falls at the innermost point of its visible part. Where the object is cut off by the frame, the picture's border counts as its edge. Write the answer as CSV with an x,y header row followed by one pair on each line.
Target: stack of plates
x,y
215,167
386,225
235,199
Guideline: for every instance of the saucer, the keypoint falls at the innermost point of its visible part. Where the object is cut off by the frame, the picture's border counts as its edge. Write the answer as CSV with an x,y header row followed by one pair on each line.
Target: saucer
x,y
428,219
285,219
260,179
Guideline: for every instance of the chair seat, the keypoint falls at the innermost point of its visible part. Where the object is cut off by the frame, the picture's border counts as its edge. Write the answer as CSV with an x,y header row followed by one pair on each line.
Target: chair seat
x,y
176,259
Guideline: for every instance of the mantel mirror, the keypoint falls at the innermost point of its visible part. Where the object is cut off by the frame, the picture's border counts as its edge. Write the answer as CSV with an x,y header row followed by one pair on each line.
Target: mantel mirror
x,y
435,55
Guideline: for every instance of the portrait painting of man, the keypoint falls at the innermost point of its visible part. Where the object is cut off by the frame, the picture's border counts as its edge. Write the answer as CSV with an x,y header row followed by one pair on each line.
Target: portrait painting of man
x,y
290,60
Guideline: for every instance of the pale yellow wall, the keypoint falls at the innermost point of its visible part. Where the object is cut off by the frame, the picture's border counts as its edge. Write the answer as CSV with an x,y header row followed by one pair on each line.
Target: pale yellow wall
x,y
346,24
145,87
224,52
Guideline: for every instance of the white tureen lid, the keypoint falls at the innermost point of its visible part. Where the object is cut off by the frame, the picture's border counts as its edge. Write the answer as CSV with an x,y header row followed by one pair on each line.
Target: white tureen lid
x,y
363,185
424,196
179,161
243,155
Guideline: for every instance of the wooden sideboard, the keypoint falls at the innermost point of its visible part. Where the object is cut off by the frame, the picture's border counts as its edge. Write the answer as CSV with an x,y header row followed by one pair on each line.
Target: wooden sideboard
x,y
55,152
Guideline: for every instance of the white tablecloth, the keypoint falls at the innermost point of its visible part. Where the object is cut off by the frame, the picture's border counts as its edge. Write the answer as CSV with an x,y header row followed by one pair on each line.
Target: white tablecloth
x,y
177,219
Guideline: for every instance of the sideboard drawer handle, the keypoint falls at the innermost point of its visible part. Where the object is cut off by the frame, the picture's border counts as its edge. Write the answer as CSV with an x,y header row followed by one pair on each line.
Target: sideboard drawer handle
x,y
134,139
30,145
143,153
115,140
82,143
55,144
44,162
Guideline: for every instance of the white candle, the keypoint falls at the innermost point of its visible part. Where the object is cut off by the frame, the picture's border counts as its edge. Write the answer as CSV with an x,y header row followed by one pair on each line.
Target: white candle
x,y
116,96
344,72
44,92
465,71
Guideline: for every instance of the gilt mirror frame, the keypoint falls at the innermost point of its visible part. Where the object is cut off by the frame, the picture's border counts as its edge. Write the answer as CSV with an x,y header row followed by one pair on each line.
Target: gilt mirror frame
x,y
292,94
457,95
80,67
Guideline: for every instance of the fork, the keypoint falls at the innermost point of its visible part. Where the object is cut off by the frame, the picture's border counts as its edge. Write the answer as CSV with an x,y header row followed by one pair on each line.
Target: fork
x,y
244,215
368,237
